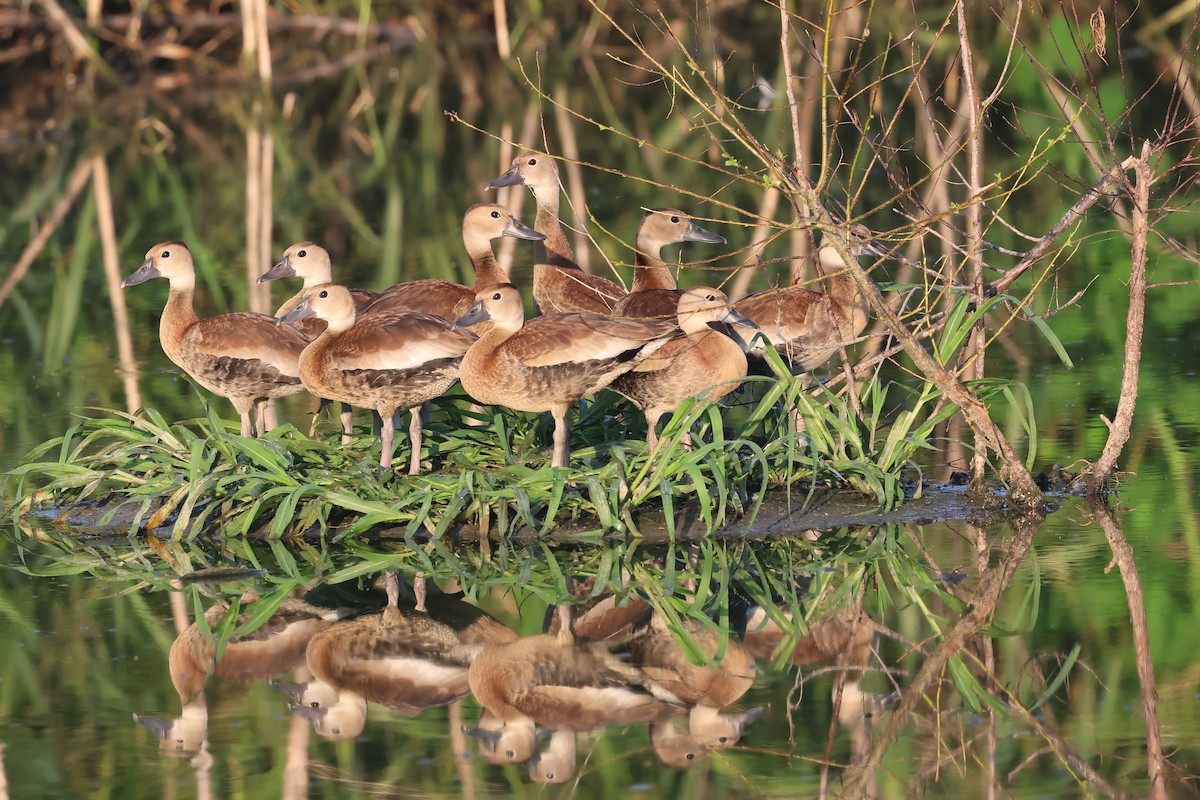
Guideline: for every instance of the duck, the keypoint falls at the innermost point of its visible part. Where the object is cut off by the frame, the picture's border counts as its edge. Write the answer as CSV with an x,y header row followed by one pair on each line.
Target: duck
x,y
555,764
550,362
654,292
310,261
806,327
273,648
407,660
556,683
381,361
559,284
704,688
243,356
704,361
482,223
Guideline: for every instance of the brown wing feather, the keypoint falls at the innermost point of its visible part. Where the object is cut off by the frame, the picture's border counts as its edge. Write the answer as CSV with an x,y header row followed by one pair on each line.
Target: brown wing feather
x,y
559,289
652,303
247,336
575,338
441,298
397,342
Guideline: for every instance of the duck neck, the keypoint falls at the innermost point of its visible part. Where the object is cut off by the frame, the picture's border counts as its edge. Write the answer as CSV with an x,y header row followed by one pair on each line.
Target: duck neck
x,y
487,269
177,317
846,296
312,358
650,270
555,250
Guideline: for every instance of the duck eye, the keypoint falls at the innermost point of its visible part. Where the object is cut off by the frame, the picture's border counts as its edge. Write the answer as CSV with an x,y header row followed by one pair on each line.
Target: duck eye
x,y
165,254
336,731
675,219
323,293
314,704
533,162
302,254
510,754
690,756
496,296
549,776
723,739
495,215
711,297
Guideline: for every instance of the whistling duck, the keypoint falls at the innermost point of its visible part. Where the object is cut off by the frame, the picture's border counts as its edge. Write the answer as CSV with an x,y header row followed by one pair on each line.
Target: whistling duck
x,y
600,618
555,764
311,262
653,293
808,327
702,360
845,637
552,361
244,357
406,660
481,224
275,647
383,361
670,674
558,282
554,682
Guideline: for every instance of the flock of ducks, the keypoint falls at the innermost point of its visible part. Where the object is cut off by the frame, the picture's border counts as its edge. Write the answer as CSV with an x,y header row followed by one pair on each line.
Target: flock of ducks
x,y
598,663
400,348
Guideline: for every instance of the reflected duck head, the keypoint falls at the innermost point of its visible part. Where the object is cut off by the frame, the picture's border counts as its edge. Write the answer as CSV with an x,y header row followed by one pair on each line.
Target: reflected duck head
x,y
345,719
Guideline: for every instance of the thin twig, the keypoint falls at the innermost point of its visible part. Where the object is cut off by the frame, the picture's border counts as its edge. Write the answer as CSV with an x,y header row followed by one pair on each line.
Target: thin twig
x,y
78,179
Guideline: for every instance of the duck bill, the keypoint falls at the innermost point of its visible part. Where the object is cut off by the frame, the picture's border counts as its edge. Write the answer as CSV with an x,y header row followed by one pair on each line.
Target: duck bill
x,y
302,311
315,716
293,690
519,230
734,317
281,270
746,718
160,726
476,314
143,273
510,178
486,738
695,233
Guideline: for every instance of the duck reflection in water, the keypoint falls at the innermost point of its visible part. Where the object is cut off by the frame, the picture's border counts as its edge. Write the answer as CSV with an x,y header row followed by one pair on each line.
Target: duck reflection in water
x,y
407,660
705,689
551,681
275,647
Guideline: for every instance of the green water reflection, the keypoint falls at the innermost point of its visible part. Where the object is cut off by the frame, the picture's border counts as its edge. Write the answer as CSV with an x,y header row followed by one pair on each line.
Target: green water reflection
x,y
367,163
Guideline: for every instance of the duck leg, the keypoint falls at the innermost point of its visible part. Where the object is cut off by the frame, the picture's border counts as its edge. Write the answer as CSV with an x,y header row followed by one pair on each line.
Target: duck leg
x,y
245,406
652,418
414,438
347,417
562,437
419,591
388,437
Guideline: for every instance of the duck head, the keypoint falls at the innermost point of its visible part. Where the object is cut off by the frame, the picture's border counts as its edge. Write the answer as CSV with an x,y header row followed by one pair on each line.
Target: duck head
x,y
307,260
171,260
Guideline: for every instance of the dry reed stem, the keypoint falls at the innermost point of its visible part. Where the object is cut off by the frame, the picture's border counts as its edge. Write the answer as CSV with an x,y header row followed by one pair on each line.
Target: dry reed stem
x,y
295,769
1118,429
575,192
3,775
76,41
976,351
460,750
767,208
112,277
513,197
500,12
79,178
1123,557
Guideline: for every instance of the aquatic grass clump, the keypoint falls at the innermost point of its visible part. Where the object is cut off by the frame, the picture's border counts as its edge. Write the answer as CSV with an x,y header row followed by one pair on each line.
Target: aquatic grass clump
x,y
184,479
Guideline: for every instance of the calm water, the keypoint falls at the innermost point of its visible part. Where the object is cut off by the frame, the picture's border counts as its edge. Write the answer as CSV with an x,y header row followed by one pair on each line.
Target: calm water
x,y
88,624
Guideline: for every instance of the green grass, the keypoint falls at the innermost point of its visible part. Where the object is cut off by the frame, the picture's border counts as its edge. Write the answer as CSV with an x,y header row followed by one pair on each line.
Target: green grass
x,y
196,478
